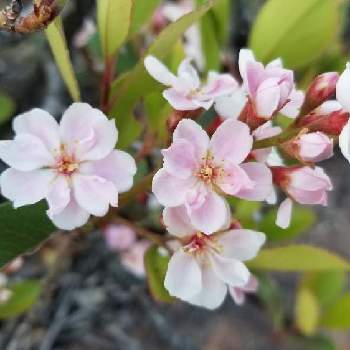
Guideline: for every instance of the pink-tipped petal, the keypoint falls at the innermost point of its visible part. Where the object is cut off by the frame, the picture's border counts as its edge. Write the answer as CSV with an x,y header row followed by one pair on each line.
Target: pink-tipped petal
x,y
284,213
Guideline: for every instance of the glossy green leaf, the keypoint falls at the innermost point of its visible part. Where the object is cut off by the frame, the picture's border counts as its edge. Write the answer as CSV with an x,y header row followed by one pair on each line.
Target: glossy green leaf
x,y
57,41
24,295
298,258
141,14
7,107
22,230
113,17
156,266
307,311
138,83
302,220
299,31
222,12
338,316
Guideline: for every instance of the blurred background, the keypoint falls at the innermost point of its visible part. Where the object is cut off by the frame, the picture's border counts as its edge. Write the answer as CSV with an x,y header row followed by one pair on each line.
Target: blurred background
x,y
93,298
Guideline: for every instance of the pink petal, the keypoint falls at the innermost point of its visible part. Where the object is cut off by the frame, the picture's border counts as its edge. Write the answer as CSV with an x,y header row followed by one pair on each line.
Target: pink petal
x,y
184,277
170,190
41,124
180,159
231,142
159,71
59,196
193,133
267,97
71,217
315,147
180,101
310,179
308,197
211,216
252,285
232,105
118,167
230,271
266,131
219,85
94,194
24,188
254,77
133,258
178,222
292,108
119,237
284,213
242,244
26,152
213,291
87,132
237,295
343,88
261,177
245,57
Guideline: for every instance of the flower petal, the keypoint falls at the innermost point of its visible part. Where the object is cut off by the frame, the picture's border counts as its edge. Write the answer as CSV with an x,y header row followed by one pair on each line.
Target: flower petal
x,y
95,194
26,152
284,213
231,142
292,108
71,217
230,271
41,124
219,85
211,216
118,167
245,57
261,177
213,291
87,132
241,244
25,188
343,88
59,196
170,190
188,74
193,133
184,277
232,105
159,71
267,97
344,141
177,221
179,100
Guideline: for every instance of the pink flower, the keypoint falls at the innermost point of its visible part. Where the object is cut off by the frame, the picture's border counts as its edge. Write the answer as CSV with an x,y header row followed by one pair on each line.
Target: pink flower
x,y
201,271
133,258
304,185
312,147
271,88
197,171
74,165
119,237
185,91
238,294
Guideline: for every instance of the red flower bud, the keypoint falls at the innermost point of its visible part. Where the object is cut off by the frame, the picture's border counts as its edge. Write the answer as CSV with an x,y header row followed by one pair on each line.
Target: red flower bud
x,y
250,117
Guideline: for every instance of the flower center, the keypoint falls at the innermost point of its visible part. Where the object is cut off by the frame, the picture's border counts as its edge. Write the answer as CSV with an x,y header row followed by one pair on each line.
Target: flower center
x,y
209,172
66,164
200,244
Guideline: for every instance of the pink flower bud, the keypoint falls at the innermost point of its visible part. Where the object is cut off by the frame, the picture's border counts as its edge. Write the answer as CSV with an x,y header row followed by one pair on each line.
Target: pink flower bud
x,y
119,237
305,185
320,90
313,147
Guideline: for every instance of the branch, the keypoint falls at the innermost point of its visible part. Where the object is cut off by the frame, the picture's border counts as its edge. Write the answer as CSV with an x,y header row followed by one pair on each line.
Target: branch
x,y
44,12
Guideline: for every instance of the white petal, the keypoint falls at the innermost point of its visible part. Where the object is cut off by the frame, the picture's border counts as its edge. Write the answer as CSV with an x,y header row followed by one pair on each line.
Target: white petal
x,y
41,124
94,194
231,106
245,56
177,221
242,244
26,152
213,291
343,86
188,73
344,141
24,188
159,71
230,271
71,217
59,196
284,213
183,278
87,132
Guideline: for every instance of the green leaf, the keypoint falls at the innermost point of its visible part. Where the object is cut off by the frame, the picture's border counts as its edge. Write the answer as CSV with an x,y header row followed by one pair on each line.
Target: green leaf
x,y
299,31
302,220
318,342
138,82
141,14
307,311
24,295
222,16
156,266
57,41
298,258
326,286
22,230
113,17
338,316
7,107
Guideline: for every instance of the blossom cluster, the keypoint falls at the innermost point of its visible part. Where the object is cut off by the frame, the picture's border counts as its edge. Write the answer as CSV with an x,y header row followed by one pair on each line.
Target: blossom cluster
x,y
244,153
